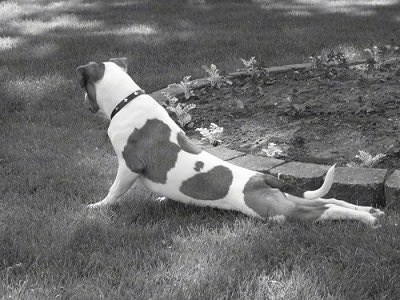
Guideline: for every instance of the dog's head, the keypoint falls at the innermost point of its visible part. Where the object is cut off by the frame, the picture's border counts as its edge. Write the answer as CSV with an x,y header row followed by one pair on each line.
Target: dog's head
x,y
101,82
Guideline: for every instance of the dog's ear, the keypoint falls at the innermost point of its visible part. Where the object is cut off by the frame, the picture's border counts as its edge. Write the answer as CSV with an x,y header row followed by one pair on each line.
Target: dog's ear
x,y
121,62
91,72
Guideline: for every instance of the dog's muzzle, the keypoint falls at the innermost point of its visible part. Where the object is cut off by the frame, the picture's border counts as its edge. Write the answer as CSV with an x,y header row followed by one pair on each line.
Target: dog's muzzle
x,y
90,104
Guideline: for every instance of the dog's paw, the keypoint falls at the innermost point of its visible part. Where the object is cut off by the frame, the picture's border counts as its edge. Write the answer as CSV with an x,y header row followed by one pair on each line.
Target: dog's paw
x,y
279,219
375,223
376,212
95,206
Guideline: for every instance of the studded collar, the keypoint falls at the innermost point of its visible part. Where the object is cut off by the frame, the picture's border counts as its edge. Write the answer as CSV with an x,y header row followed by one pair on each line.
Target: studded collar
x,y
125,101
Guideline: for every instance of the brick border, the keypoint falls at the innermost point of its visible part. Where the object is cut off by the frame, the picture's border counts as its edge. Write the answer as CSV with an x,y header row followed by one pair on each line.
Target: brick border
x,y
364,186
361,186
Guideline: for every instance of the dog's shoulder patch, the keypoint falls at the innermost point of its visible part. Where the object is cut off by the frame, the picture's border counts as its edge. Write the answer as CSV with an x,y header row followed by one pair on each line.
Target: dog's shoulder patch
x,y
211,185
186,144
198,166
150,152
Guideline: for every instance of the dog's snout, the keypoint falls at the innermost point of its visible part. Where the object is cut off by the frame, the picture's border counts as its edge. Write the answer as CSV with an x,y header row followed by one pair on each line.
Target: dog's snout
x,y
91,105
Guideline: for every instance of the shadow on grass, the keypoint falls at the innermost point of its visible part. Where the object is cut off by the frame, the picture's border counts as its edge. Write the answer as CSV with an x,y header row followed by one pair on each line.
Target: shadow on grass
x,y
170,39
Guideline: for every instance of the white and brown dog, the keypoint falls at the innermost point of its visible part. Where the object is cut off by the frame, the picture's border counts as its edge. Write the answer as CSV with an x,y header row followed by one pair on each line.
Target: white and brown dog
x,y
150,146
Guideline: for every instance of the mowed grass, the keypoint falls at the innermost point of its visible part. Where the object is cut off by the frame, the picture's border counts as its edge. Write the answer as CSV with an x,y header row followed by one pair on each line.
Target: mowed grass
x,y
55,158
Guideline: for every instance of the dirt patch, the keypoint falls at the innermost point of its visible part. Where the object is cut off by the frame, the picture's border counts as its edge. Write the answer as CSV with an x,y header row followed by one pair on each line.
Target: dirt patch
x,y
314,116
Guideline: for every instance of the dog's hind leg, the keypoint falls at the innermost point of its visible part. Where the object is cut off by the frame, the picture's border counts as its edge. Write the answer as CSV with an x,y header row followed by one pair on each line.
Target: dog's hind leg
x,y
341,203
321,201
123,181
330,209
335,212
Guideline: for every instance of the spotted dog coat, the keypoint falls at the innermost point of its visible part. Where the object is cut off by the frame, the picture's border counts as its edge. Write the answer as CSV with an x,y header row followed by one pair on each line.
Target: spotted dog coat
x,y
150,146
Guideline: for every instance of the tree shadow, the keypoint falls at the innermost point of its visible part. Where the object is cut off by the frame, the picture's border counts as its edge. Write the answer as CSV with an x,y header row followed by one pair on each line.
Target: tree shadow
x,y
309,7
39,36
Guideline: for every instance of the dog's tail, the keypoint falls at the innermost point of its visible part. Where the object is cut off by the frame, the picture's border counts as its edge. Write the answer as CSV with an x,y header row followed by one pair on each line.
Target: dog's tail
x,y
325,187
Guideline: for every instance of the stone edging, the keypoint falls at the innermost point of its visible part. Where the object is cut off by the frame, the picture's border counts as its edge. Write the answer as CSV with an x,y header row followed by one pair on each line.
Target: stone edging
x,y
363,186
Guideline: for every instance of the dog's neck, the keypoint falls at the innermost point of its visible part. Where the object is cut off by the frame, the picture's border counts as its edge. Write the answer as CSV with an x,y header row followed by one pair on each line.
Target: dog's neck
x,y
113,88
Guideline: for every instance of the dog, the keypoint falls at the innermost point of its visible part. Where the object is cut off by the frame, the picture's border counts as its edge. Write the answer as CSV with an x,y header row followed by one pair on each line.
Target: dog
x,y
150,146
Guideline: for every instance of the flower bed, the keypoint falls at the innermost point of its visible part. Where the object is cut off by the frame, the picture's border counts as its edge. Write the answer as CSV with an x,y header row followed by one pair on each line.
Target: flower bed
x,y
323,112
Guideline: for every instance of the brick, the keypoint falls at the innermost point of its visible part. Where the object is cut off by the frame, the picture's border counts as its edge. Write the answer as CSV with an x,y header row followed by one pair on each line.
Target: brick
x,y
304,175
224,153
392,191
256,162
361,186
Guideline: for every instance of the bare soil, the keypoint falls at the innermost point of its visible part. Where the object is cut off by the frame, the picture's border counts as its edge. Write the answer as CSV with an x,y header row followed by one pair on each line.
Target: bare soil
x,y
320,116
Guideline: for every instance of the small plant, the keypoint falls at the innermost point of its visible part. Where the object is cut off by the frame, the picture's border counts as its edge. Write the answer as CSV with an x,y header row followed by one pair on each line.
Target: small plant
x,y
366,160
373,56
214,77
259,74
337,58
381,57
211,135
185,86
251,64
273,150
171,100
181,110
316,61
329,64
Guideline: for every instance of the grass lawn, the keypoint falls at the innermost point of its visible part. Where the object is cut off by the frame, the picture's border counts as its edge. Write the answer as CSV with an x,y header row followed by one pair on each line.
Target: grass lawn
x,y
55,158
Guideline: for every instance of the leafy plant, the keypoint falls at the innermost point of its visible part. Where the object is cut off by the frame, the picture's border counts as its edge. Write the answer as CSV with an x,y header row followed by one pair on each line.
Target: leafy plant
x,y
214,77
316,61
181,110
253,67
330,64
366,160
185,86
259,74
337,58
212,134
251,64
273,150
381,57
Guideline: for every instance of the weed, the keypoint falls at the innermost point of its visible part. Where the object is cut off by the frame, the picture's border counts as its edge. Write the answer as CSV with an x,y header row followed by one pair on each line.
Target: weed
x,y
382,58
273,150
181,110
185,86
215,78
250,65
212,134
331,65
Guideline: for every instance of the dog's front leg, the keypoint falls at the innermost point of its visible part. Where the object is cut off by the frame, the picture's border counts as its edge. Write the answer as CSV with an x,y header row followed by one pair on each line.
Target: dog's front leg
x,y
123,181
